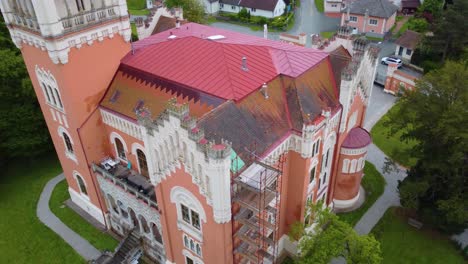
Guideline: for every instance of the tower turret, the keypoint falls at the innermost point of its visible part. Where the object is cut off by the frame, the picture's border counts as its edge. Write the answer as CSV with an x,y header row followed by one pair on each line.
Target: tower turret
x,y
72,49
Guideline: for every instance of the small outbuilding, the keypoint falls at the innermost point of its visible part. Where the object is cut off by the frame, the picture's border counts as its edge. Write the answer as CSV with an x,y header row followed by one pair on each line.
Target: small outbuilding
x,y
406,44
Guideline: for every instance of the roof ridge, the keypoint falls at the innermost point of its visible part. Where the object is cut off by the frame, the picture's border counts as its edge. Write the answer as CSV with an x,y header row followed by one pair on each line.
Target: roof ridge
x,y
233,93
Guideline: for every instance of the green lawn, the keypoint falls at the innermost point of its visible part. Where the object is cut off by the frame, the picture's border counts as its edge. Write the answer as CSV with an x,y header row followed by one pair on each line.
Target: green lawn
x,y
392,146
24,239
374,184
137,7
136,4
319,4
374,38
139,12
402,243
327,34
97,238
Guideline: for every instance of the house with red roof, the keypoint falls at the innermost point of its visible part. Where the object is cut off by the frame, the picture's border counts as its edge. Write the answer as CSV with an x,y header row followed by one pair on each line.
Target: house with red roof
x,y
195,144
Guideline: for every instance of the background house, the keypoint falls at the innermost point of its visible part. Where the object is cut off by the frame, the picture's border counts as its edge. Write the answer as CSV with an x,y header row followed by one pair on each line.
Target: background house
x,y
373,17
406,44
265,8
409,6
333,6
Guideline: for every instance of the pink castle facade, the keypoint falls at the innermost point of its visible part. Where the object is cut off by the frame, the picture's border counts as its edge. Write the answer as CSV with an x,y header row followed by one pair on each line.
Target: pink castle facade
x,y
196,145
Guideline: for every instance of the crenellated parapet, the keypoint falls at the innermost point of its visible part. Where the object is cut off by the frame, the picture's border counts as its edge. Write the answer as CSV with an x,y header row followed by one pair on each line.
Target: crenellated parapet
x,y
174,138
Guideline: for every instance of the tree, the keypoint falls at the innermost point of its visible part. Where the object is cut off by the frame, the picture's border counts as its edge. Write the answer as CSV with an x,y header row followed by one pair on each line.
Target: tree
x,y
435,115
23,131
193,9
243,15
329,237
450,38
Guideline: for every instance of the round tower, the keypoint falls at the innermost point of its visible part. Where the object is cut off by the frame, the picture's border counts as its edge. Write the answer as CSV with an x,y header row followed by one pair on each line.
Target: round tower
x,y
72,49
348,193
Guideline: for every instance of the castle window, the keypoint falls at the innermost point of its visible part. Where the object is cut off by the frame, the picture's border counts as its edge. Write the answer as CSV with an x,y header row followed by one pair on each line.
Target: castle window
x,y
54,100
373,22
312,175
59,100
81,184
120,149
189,260
45,92
142,163
80,5
190,217
68,143
353,18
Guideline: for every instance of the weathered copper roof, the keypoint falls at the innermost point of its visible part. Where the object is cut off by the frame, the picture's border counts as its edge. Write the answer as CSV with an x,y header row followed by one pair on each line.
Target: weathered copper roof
x,y
339,58
357,137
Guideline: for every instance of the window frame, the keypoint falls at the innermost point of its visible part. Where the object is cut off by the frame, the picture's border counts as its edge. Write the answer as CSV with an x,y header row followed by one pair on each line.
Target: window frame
x,y
190,221
81,184
353,19
376,22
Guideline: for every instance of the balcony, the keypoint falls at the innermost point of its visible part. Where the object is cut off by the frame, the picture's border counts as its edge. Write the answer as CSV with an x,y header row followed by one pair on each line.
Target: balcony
x,y
81,20
128,180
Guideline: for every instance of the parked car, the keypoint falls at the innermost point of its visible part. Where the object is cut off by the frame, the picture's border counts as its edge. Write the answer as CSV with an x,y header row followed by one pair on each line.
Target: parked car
x,y
387,60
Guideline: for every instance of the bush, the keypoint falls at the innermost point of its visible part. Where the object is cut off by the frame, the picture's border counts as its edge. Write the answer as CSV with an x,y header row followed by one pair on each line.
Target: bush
x,y
418,24
259,20
243,15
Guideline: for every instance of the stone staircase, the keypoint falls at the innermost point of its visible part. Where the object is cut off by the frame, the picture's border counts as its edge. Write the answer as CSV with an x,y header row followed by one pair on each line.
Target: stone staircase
x,y
131,242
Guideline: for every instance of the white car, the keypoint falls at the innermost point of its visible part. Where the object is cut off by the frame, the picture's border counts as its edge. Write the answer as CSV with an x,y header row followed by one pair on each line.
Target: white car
x,y
387,60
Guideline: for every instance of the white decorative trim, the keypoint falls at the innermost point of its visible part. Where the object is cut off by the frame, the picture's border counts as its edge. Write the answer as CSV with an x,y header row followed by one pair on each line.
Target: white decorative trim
x,y
353,152
126,126
50,89
342,204
113,136
180,195
75,176
195,259
68,154
86,205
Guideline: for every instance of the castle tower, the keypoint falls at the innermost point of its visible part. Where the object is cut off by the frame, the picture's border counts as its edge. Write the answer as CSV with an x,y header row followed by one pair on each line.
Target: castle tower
x,y
71,49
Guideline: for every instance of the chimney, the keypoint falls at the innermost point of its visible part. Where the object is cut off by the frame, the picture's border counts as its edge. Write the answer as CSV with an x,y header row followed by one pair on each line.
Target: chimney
x,y
244,64
264,90
177,24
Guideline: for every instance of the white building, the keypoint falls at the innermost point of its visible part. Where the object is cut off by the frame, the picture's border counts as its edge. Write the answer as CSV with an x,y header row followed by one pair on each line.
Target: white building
x,y
265,8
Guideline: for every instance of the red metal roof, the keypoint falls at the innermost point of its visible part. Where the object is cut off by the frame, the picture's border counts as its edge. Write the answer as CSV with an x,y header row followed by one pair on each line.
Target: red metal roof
x,y
187,56
358,137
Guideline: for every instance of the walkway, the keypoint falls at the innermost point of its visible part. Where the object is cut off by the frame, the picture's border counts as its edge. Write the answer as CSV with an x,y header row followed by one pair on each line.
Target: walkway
x,y
379,106
82,246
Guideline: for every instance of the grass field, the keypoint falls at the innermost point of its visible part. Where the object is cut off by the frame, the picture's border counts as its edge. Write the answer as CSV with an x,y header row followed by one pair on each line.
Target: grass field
x,y
319,4
374,184
327,34
392,146
24,239
402,243
98,239
137,7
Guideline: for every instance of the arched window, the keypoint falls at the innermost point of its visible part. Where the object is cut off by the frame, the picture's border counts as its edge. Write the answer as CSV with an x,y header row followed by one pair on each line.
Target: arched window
x,y
198,248
123,210
45,92
144,224
68,143
120,149
81,184
113,204
186,242
59,100
142,163
49,89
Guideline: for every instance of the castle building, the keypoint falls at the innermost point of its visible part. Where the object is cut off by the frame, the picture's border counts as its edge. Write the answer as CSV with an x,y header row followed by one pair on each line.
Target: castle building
x,y
196,144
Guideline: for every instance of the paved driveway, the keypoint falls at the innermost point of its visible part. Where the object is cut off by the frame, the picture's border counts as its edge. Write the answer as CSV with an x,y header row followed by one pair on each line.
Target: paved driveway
x,y
308,20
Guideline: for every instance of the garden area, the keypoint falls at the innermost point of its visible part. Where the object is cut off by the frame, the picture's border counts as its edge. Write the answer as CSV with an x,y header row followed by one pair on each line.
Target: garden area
x,y
374,185
244,18
24,238
320,5
392,145
97,238
137,7
402,243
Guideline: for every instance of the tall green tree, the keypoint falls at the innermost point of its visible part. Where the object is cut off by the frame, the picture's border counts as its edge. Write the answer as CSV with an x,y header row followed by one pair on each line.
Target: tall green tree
x,y
193,9
435,115
450,37
329,237
23,131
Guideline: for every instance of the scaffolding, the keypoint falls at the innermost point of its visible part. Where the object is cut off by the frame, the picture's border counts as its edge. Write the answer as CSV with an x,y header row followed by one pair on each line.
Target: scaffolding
x,y
257,192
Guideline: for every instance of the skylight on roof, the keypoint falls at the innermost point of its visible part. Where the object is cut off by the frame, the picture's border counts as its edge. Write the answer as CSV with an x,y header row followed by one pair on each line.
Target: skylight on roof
x,y
172,37
216,37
